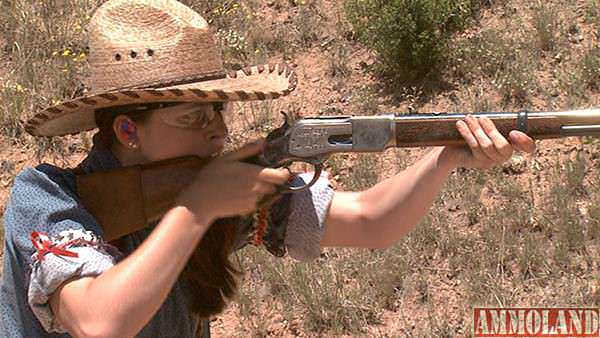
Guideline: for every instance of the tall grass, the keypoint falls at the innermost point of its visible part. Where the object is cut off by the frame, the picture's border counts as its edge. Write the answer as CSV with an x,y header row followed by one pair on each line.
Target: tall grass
x,y
46,52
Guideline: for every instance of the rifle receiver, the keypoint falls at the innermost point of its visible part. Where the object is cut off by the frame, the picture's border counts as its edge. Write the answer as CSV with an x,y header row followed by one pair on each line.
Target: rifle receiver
x,y
323,135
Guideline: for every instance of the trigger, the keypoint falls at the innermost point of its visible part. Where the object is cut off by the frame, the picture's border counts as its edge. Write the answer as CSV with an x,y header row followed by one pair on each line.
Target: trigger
x,y
317,174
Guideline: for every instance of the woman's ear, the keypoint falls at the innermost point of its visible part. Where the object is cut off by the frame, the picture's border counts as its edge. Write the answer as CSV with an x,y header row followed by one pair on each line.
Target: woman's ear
x,y
126,132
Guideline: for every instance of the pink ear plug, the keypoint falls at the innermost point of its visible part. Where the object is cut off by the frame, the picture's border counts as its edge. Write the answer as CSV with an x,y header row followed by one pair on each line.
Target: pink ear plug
x,y
129,129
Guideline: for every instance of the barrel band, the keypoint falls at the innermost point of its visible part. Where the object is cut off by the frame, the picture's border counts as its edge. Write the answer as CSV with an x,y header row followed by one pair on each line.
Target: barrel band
x,y
522,121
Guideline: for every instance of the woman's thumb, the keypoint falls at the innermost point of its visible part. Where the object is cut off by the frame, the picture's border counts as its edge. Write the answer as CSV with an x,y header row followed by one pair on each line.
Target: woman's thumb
x,y
246,151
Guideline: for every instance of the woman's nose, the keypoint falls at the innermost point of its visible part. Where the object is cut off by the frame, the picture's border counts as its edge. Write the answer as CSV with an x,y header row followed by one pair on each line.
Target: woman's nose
x,y
218,125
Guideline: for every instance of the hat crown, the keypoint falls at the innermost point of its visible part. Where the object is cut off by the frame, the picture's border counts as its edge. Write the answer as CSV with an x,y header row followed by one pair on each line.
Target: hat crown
x,y
150,43
149,51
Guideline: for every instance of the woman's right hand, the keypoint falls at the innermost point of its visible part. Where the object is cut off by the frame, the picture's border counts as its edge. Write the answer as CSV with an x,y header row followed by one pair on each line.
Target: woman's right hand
x,y
228,187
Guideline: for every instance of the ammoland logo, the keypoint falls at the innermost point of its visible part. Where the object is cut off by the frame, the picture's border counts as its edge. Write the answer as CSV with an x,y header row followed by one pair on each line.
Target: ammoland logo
x,y
536,322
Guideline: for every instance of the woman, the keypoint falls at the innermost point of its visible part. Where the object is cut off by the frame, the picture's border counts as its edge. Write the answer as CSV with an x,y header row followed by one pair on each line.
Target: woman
x,y
157,91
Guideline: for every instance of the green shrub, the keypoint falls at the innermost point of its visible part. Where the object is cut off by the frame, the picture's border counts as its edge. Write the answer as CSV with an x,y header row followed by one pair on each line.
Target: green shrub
x,y
411,37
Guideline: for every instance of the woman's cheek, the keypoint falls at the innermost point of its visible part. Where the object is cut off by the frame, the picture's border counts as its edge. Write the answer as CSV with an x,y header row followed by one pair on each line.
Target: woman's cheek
x,y
166,148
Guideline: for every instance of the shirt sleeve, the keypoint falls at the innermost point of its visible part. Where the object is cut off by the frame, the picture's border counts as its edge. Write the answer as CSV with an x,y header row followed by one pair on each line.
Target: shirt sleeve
x,y
306,222
56,237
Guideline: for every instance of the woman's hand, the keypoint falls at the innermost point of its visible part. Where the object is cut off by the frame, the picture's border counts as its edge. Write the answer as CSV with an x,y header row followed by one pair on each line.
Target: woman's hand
x,y
486,146
228,187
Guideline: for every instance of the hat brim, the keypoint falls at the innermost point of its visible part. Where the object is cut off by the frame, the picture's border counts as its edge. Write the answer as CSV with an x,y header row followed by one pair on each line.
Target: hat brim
x,y
255,83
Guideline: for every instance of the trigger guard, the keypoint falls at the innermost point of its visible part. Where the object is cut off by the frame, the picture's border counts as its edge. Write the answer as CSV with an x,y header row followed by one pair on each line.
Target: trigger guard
x,y
317,173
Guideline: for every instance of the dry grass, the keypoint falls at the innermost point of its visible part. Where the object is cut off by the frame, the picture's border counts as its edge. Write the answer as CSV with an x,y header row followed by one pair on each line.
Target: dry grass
x,y
45,50
520,235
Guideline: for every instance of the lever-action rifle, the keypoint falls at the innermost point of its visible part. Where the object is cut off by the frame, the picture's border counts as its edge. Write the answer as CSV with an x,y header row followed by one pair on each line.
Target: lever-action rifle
x,y
129,198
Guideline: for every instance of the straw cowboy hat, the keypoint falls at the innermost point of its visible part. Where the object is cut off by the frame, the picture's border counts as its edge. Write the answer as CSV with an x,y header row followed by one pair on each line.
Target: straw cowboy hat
x,y
144,51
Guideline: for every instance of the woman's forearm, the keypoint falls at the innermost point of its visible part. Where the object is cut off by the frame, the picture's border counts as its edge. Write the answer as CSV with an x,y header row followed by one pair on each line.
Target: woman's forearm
x,y
123,299
393,207
380,216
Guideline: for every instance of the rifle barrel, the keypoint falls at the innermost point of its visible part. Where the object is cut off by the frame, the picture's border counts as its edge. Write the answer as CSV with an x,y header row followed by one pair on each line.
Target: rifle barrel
x,y
581,130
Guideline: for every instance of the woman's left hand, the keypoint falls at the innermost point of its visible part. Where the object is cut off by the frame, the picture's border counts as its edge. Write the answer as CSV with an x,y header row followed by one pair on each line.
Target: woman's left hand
x,y
486,146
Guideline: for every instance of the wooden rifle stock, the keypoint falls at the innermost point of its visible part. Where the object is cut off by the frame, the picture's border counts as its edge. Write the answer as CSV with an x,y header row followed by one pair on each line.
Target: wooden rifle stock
x,y
127,199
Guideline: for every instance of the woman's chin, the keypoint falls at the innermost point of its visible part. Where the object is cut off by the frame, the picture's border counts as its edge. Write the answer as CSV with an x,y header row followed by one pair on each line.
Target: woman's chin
x,y
215,149
218,143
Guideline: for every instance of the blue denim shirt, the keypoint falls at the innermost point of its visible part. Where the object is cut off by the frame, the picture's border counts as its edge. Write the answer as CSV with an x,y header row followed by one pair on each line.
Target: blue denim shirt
x,y
44,199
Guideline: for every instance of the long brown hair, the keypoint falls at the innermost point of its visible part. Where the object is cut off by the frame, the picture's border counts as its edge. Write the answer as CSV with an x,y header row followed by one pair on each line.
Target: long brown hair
x,y
209,274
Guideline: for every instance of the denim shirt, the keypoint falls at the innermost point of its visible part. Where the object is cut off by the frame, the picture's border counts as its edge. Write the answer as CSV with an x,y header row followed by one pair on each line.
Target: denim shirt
x,y
44,199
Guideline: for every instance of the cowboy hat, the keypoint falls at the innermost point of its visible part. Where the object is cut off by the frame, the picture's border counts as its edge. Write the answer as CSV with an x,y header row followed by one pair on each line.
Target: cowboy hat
x,y
144,51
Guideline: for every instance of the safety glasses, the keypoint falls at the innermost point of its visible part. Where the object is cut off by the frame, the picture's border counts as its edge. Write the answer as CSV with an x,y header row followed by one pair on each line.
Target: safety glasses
x,y
192,115
188,115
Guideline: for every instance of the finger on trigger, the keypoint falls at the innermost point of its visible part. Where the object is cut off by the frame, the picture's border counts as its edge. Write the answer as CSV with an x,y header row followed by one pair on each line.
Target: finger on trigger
x,y
274,176
263,188
500,142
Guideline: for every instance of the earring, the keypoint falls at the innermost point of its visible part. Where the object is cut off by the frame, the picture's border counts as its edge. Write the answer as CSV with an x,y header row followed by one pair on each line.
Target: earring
x,y
133,145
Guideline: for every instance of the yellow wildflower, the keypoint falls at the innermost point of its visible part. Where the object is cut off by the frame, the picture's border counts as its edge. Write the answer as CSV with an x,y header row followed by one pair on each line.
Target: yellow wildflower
x,y
79,58
66,52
